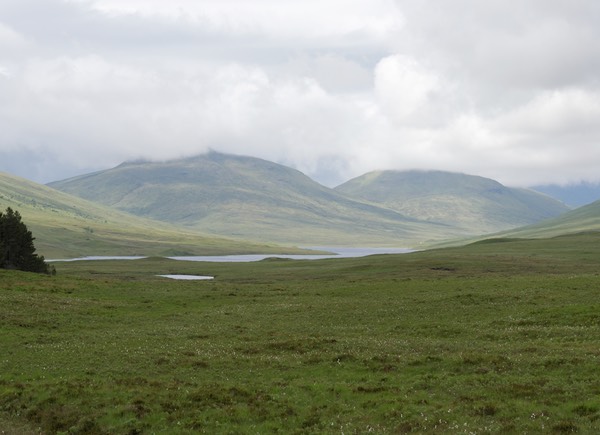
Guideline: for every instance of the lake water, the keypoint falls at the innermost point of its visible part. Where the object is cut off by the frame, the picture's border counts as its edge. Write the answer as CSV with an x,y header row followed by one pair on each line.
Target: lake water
x,y
336,252
100,257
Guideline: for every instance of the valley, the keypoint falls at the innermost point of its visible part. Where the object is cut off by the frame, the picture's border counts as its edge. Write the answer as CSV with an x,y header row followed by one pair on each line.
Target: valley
x,y
304,218
500,335
249,198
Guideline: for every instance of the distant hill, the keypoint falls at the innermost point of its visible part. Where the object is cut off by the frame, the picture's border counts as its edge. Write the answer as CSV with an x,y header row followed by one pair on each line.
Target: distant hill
x,y
574,195
68,226
474,204
582,219
581,222
249,198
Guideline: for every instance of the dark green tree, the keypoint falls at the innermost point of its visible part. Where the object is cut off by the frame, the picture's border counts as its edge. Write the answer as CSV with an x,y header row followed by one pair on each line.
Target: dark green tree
x,y
16,245
1,251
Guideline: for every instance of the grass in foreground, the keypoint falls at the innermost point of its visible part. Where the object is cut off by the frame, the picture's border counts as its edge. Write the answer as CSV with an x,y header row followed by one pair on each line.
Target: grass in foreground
x,y
493,337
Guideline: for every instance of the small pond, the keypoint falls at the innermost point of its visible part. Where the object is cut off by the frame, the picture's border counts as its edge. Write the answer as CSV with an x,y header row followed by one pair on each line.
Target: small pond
x,y
188,277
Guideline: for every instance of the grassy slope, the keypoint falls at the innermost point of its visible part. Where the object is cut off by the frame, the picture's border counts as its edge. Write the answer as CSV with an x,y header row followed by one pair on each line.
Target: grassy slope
x,y
67,226
475,204
494,337
586,218
250,198
581,220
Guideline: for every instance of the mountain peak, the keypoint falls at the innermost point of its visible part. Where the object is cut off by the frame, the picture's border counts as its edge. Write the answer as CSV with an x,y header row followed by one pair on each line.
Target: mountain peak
x,y
466,201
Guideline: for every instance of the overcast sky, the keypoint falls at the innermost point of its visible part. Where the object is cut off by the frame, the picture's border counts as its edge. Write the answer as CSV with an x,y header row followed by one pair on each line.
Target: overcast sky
x,y
335,88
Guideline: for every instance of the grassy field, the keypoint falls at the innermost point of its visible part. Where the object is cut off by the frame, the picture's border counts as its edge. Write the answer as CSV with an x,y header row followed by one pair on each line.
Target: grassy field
x,y
498,337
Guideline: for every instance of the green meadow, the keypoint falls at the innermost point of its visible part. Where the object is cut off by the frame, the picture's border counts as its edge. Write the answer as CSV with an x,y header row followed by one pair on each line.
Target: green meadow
x,y
500,336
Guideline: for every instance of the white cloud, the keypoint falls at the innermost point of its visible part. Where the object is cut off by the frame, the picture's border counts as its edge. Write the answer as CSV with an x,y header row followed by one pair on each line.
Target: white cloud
x,y
334,88
10,40
333,72
557,113
403,88
310,19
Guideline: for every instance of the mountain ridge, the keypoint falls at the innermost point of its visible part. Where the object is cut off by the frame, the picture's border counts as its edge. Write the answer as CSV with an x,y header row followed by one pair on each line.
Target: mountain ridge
x,y
252,198
245,197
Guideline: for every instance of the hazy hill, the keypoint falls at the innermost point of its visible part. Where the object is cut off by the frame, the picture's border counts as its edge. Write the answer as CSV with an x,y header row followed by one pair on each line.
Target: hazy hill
x,y
582,219
68,226
577,222
474,204
249,198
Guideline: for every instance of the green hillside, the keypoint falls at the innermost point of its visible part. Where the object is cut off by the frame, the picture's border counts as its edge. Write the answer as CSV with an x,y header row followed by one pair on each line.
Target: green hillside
x,y
474,204
582,219
582,222
249,198
68,226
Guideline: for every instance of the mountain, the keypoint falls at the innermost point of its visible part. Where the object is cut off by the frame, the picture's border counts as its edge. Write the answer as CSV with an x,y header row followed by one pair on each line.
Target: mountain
x,y
68,226
574,195
471,203
249,198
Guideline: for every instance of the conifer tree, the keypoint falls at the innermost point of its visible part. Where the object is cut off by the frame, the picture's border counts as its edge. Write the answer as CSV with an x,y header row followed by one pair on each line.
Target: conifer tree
x,y
16,245
1,250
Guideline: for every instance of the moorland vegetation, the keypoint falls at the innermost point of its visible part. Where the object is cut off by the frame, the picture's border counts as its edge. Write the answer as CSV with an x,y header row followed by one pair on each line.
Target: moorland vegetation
x,y
501,336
